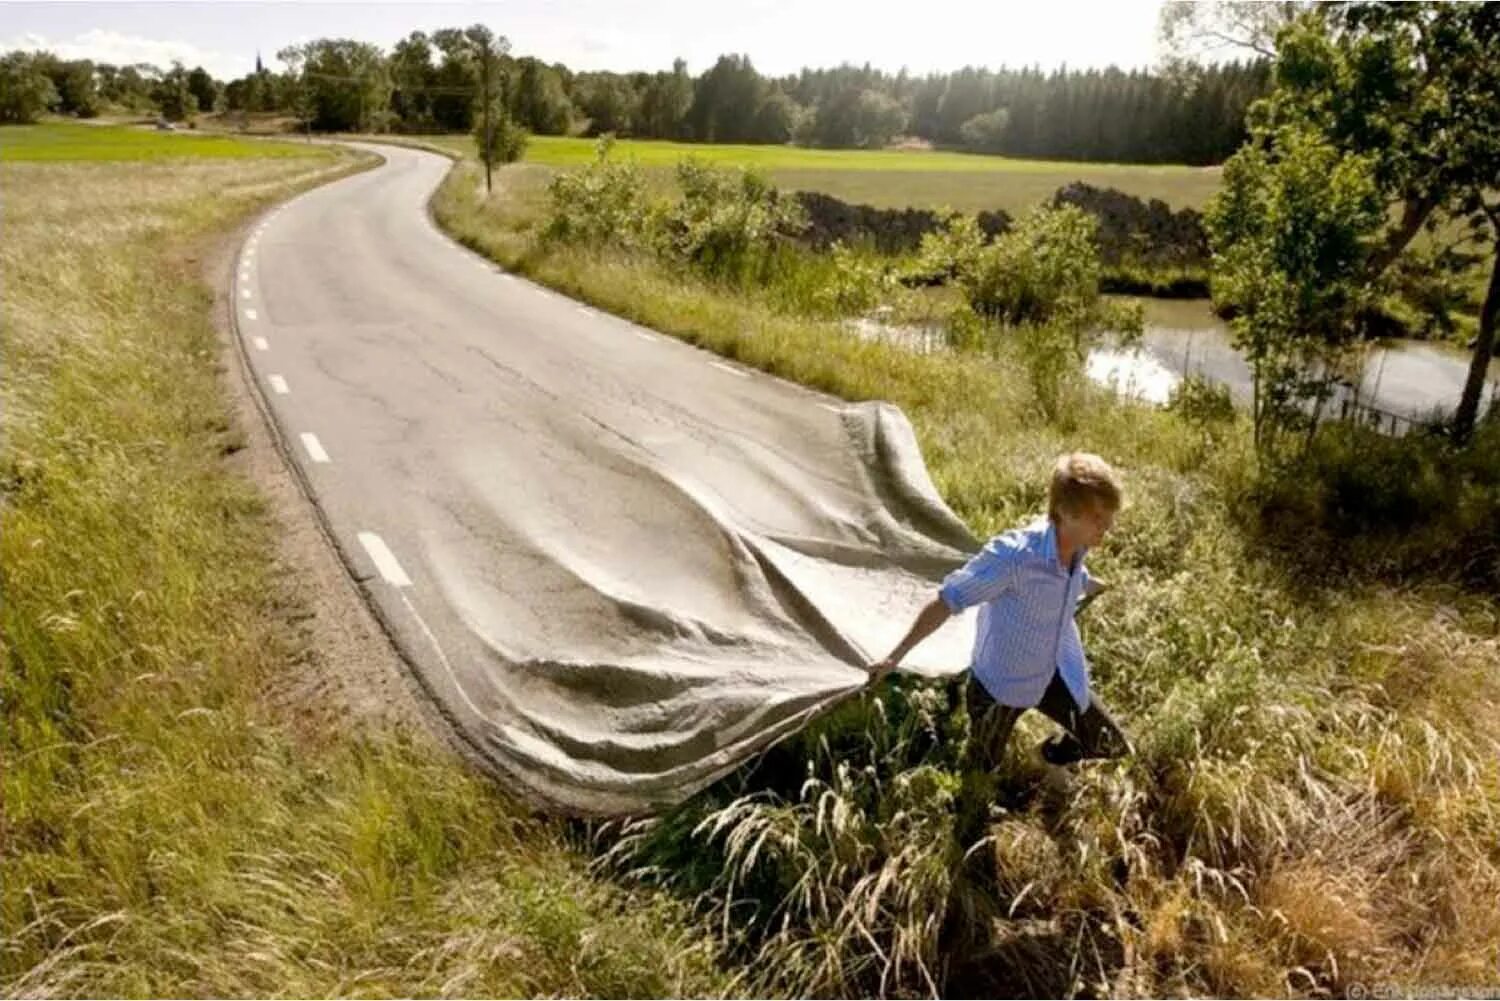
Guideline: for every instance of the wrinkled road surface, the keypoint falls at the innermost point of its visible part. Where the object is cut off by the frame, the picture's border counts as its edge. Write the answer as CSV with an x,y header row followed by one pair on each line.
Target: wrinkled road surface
x,y
619,564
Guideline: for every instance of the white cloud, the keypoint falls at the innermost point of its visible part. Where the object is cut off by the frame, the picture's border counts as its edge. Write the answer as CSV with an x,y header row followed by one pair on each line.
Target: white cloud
x,y
104,46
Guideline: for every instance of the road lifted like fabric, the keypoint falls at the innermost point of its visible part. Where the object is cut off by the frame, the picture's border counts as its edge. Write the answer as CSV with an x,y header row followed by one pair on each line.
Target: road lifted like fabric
x,y
619,564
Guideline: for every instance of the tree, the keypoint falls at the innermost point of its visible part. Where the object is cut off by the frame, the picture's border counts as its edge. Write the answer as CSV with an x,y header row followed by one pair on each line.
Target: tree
x,y
538,100
126,86
986,132
494,132
204,88
25,90
293,90
1413,88
455,82
777,120
858,116
665,101
609,102
412,77
1187,31
507,139
171,95
77,90
344,84
726,100
1290,230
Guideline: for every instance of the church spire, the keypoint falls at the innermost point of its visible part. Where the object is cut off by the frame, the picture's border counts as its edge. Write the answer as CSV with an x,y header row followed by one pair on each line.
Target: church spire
x,y
258,69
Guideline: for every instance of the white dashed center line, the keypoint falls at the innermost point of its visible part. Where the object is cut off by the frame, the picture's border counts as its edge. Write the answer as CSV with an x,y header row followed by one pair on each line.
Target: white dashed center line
x,y
314,447
244,293
261,344
279,384
385,560
250,314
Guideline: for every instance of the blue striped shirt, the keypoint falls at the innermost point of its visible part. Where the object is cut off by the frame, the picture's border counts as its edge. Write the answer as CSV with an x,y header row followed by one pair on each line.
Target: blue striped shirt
x,y
1026,601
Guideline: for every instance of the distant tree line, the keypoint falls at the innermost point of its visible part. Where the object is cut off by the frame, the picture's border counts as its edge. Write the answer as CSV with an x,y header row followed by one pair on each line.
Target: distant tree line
x,y
428,83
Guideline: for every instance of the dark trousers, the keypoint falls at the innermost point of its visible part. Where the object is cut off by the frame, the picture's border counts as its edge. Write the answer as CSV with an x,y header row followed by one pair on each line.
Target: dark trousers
x,y
1090,733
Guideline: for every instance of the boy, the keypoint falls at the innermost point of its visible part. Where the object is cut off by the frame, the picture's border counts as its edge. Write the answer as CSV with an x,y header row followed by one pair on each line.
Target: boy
x,y
1028,583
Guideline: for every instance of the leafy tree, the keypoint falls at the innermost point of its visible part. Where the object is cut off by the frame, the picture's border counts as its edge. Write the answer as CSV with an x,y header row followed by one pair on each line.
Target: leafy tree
x,y
665,101
777,120
204,88
77,89
1412,88
609,101
171,95
455,82
539,101
26,92
498,139
412,78
346,82
726,100
1291,230
126,86
986,132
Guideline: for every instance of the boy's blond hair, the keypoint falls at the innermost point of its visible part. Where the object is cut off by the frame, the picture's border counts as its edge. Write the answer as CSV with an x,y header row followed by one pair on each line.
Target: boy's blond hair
x,y
1081,478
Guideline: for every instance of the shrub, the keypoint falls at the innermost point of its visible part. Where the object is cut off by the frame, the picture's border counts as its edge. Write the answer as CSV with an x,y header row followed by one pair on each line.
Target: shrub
x,y
507,139
603,203
1390,505
1045,269
727,224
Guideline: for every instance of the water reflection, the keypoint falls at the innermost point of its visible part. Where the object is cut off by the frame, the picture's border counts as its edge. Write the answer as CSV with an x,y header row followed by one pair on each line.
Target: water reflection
x,y
1399,381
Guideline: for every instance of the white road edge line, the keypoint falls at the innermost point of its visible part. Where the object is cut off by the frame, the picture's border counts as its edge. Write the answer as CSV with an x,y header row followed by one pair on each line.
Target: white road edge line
x,y
644,336
261,344
314,447
830,407
278,383
385,560
730,369
441,656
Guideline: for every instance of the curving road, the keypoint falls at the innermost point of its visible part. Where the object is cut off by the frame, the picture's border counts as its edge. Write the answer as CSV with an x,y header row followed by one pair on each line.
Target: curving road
x,y
619,564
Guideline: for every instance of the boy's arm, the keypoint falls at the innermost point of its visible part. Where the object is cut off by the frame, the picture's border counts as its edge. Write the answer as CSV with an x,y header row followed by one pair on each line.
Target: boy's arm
x,y
928,619
987,574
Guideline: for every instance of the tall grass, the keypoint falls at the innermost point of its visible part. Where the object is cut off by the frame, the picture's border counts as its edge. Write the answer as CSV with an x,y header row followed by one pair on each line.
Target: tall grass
x,y
167,830
1315,797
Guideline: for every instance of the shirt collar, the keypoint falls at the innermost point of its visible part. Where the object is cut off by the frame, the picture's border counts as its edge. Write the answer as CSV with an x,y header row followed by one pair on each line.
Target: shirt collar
x,y
1049,543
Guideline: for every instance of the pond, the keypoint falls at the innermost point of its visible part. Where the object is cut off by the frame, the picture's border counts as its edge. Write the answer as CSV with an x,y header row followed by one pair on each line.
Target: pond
x,y
1400,382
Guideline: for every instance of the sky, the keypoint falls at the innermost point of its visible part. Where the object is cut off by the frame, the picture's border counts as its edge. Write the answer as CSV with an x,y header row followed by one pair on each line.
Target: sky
x,y
780,36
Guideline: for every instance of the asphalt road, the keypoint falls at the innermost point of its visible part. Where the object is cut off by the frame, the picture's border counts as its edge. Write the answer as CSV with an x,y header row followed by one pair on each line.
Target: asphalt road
x,y
620,564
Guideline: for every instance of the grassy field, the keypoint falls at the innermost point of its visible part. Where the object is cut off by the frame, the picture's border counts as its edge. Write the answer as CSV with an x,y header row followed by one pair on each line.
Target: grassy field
x,y
71,142
894,178
168,829
1316,789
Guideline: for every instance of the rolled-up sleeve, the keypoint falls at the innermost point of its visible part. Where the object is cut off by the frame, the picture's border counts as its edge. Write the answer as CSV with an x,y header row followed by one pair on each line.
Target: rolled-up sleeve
x,y
985,577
